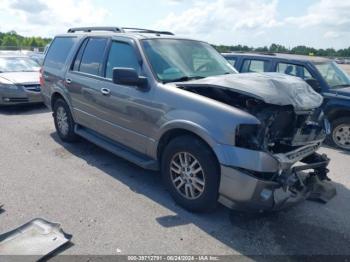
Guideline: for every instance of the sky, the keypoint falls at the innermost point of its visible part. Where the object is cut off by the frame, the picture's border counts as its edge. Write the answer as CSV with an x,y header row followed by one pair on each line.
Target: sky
x,y
315,23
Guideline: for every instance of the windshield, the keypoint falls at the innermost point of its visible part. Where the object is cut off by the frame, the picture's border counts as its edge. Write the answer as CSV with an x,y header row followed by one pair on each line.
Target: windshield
x,y
333,74
181,60
18,64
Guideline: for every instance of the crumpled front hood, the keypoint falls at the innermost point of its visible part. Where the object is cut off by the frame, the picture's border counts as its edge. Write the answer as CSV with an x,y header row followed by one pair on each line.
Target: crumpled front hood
x,y
272,88
21,77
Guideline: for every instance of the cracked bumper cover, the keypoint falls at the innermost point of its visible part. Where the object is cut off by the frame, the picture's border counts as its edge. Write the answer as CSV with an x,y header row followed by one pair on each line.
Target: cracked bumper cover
x,y
241,189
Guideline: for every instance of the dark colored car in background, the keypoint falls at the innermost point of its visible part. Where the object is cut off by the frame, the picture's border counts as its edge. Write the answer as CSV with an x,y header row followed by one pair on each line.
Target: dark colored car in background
x,y
323,74
19,80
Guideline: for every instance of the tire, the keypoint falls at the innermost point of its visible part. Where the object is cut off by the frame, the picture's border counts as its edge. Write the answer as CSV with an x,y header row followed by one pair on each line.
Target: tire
x,y
64,122
207,180
340,136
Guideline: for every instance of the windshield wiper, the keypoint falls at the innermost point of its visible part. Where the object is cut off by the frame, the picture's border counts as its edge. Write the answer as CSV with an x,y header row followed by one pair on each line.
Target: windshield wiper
x,y
183,78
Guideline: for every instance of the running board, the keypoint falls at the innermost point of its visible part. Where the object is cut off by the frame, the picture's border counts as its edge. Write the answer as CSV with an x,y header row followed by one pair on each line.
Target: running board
x,y
116,149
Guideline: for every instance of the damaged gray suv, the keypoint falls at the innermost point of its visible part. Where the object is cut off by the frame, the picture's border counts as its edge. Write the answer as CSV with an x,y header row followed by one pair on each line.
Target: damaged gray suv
x,y
176,105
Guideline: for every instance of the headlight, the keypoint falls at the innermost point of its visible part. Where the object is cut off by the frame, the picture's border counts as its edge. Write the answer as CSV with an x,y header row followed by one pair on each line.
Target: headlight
x,y
247,137
4,83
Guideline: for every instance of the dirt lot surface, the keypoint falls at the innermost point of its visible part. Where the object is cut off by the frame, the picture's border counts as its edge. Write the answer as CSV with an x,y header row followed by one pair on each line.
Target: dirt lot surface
x,y
113,207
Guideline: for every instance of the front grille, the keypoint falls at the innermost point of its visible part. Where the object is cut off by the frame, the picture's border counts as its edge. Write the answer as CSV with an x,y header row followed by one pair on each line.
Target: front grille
x,y
32,88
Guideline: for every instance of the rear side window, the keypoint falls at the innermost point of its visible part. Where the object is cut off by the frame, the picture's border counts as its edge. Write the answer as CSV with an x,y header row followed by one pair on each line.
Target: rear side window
x,y
121,55
78,57
59,51
92,59
255,66
293,70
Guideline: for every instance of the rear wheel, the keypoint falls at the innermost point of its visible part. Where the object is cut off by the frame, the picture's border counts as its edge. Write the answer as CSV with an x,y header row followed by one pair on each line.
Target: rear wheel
x,y
64,122
191,173
340,136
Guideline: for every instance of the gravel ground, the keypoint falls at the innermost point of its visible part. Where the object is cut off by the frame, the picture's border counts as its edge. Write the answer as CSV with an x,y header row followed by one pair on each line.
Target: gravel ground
x,y
113,207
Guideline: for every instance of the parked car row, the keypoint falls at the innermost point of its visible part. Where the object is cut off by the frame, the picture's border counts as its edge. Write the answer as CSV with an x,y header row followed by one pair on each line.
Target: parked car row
x,y
323,74
19,80
342,60
176,105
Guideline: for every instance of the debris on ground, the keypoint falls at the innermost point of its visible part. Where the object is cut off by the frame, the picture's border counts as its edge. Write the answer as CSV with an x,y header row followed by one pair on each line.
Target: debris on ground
x,y
37,238
323,191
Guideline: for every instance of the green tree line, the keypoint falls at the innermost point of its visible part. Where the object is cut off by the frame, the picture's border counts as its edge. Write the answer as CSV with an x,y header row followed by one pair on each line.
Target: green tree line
x,y
12,40
275,48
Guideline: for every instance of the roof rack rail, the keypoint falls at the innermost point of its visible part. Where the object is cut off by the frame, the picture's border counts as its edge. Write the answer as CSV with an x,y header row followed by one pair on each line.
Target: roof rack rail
x,y
267,53
118,30
142,30
255,52
98,28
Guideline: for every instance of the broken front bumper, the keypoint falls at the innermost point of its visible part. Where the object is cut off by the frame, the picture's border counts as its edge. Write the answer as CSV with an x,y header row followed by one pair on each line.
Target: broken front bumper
x,y
243,189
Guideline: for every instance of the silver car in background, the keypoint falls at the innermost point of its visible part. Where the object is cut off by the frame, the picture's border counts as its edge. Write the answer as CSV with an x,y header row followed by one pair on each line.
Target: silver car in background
x,y
19,80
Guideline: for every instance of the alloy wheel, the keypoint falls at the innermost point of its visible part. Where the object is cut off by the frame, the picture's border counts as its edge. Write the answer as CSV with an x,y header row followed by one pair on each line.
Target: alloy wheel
x,y
187,175
62,120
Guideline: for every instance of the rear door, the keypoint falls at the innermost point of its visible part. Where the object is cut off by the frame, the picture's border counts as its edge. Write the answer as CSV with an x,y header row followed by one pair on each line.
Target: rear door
x,y
84,81
54,65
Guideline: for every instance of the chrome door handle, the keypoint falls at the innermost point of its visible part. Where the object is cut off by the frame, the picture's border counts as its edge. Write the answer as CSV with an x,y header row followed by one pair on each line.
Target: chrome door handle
x,y
105,91
68,81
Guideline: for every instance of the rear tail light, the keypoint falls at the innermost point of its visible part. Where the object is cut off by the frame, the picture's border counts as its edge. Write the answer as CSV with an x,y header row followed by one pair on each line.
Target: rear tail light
x,y
41,76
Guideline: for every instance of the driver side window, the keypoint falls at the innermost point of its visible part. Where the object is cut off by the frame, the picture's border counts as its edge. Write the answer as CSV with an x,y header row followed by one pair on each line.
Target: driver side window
x,y
121,55
294,70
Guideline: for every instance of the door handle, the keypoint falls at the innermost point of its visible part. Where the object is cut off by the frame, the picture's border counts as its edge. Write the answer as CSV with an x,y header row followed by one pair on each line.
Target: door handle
x,y
68,81
105,91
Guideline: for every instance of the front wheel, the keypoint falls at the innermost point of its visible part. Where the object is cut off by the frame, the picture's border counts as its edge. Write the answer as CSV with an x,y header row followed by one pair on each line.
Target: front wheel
x,y
340,136
191,173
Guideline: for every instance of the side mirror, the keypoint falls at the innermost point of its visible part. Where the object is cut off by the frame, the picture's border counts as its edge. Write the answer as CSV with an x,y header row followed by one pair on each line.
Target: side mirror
x,y
314,84
128,76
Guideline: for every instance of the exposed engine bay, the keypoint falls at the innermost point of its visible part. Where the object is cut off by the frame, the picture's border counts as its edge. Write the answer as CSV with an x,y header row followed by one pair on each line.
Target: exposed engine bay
x,y
282,128
292,128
